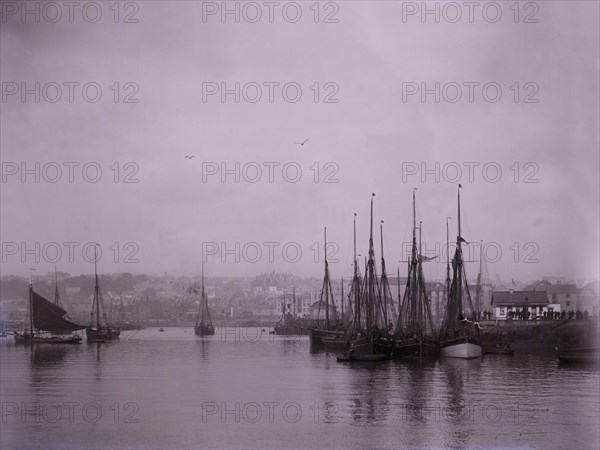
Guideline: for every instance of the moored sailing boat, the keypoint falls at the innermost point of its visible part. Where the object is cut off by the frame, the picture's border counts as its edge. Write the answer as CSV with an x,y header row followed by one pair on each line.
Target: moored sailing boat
x,y
414,329
204,326
459,335
45,318
290,324
369,340
332,327
98,332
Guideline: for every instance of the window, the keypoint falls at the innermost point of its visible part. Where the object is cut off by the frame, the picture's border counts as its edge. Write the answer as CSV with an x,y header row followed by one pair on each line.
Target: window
x,y
568,295
553,296
568,303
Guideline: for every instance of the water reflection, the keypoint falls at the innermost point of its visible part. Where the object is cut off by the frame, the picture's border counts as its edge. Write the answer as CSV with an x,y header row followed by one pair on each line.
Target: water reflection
x,y
405,403
456,415
47,356
203,346
369,402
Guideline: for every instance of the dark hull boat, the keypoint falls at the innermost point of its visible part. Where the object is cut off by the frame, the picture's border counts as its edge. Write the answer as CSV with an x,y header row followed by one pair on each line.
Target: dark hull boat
x,y
324,332
415,329
370,339
335,341
293,328
100,332
289,325
327,336
368,348
204,326
204,330
588,355
48,323
417,347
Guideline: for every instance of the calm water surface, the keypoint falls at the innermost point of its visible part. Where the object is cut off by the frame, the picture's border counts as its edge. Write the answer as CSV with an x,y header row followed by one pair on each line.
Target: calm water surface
x,y
243,388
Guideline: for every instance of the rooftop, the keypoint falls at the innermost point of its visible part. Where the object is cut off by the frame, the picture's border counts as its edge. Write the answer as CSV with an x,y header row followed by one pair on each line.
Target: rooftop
x,y
520,298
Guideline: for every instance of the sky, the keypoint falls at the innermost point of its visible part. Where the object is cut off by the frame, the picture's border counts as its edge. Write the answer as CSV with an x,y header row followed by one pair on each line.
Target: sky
x,y
351,82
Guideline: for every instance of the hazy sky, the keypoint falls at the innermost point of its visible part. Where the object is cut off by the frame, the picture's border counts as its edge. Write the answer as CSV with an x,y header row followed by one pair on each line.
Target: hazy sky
x,y
369,140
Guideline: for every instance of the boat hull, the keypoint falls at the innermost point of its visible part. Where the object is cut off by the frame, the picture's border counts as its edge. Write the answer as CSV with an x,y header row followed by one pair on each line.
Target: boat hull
x,y
26,338
414,348
292,329
320,337
370,348
204,330
334,343
464,350
108,334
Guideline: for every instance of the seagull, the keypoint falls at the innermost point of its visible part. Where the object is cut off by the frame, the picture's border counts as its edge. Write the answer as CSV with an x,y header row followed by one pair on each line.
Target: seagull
x,y
303,142
190,157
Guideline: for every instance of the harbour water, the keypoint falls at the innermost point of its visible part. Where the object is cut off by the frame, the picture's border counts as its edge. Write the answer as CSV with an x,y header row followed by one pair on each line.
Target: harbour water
x,y
245,388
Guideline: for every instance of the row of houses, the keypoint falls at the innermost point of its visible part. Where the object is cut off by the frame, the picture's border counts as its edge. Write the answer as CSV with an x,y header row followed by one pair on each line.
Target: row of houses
x,y
544,299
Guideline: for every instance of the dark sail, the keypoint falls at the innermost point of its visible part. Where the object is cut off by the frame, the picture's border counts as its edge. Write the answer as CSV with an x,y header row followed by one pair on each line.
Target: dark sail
x,y
49,317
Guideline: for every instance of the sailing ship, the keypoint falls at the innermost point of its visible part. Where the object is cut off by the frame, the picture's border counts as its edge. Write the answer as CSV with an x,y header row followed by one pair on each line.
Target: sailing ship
x,y
332,328
415,328
204,326
98,331
370,338
48,323
459,334
289,324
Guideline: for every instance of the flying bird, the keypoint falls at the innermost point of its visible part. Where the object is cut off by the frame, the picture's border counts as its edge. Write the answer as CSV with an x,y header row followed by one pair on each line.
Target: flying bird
x,y
190,157
303,142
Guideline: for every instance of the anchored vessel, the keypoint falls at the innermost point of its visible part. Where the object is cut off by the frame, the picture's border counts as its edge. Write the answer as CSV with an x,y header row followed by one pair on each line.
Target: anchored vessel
x,y
48,323
204,326
98,331
326,333
370,339
289,324
414,329
459,335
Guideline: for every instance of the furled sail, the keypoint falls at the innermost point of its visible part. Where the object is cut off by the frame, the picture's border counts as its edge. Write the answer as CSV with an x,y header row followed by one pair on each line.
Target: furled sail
x,y
50,317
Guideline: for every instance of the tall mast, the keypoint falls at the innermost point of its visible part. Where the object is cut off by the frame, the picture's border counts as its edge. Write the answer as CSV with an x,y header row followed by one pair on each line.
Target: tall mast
x,y
342,299
447,259
479,282
413,268
326,284
96,288
383,278
399,297
356,283
355,262
31,309
202,296
56,293
371,273
459,259
420,304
